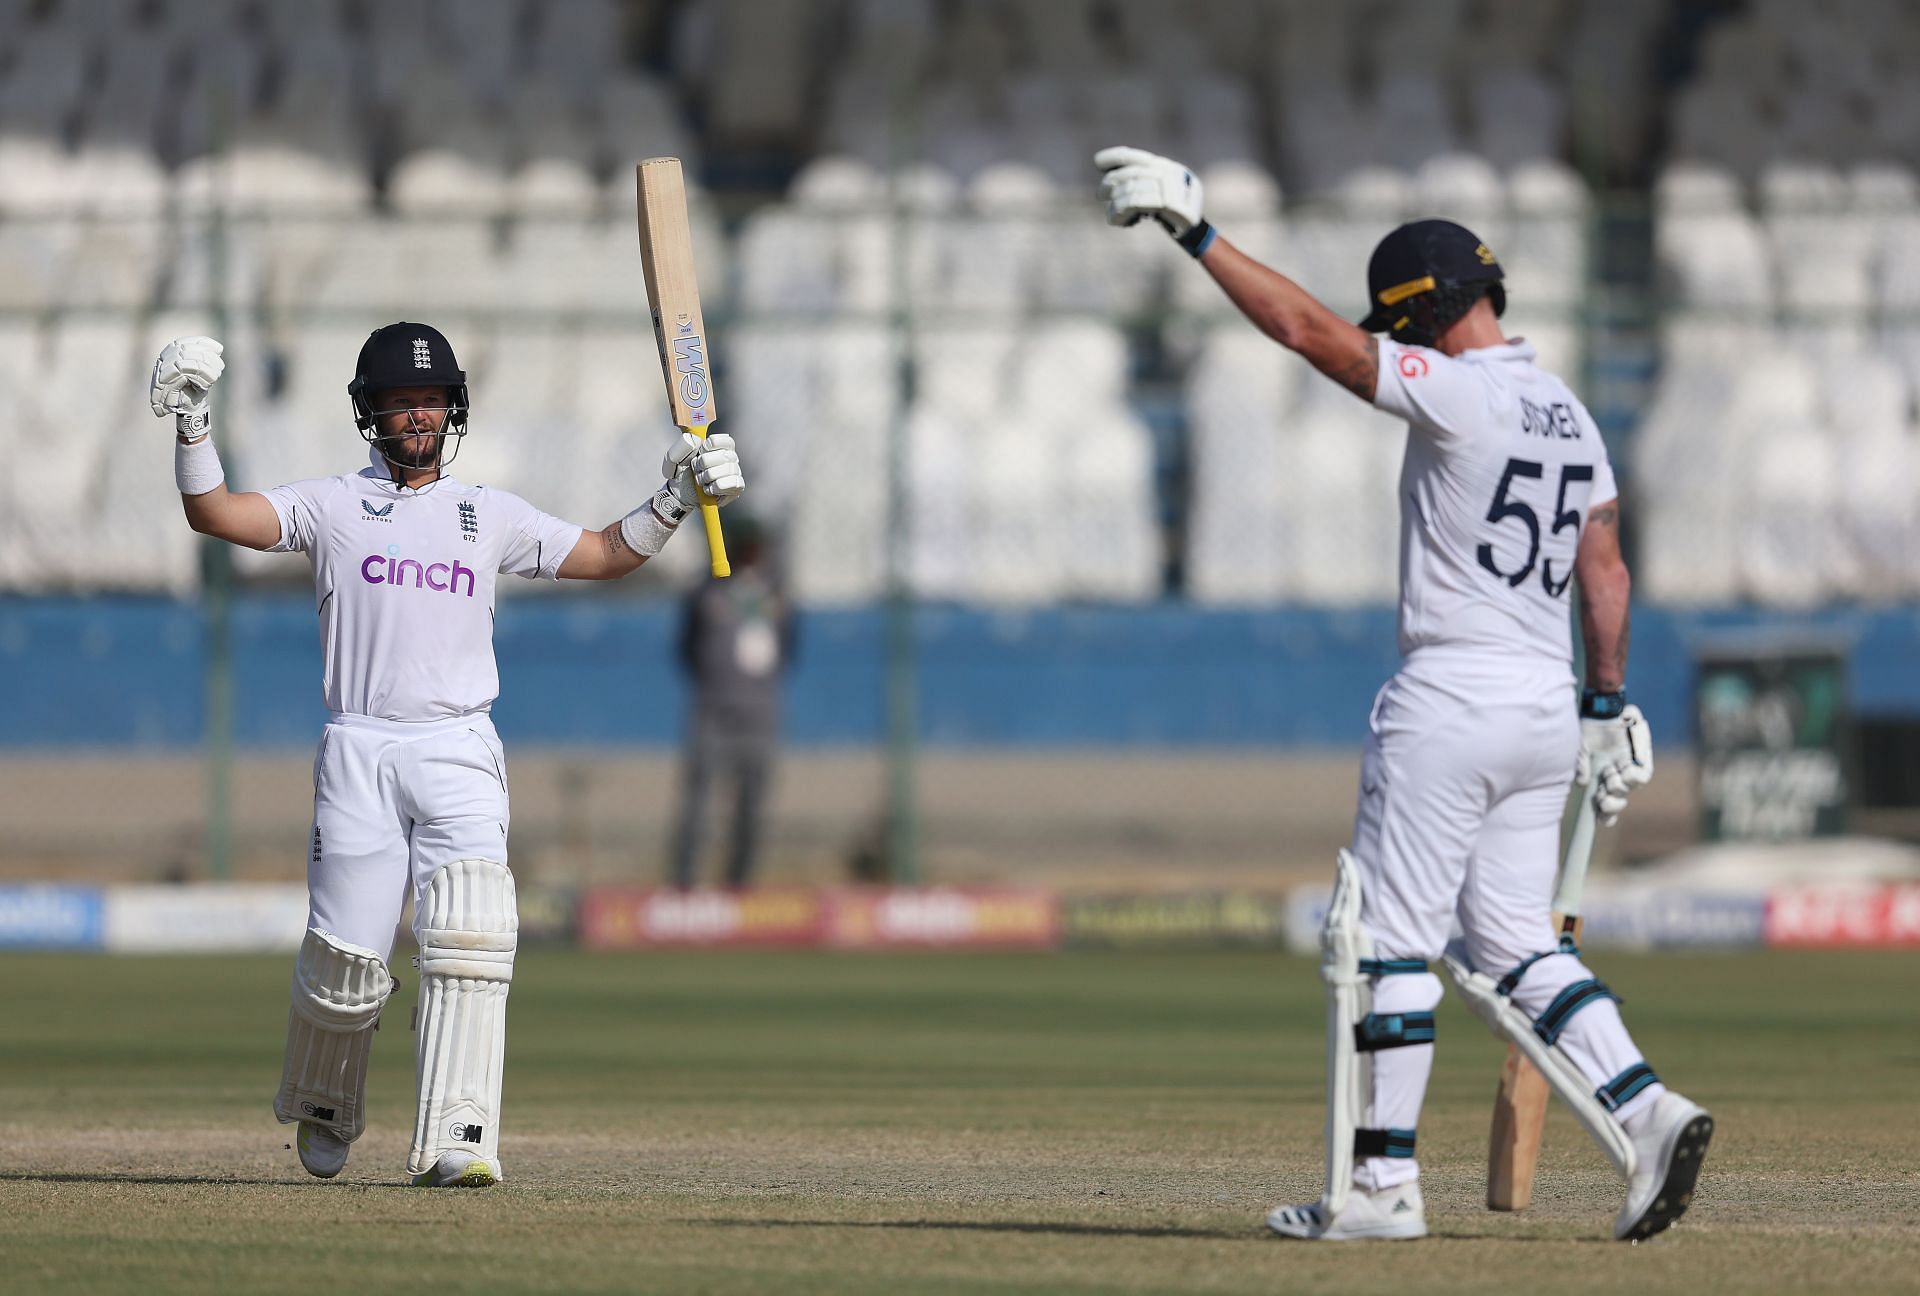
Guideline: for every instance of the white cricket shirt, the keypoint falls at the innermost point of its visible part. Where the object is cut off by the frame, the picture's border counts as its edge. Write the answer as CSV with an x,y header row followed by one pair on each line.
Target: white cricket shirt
x,y
404,583
1503,464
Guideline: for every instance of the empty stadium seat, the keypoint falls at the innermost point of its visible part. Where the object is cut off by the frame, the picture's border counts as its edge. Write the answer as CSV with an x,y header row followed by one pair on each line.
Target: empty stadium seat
x,y
446,182
1712,252
1788,547
943,522
1070,382
1544,250
837,537
1239,393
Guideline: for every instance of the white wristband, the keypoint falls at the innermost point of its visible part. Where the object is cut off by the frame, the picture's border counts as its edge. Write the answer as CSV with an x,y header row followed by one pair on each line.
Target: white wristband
x,y
196,466
648,528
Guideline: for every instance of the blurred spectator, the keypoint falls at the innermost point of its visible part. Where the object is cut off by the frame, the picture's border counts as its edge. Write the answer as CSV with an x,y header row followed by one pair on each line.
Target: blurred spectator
x,y
736,643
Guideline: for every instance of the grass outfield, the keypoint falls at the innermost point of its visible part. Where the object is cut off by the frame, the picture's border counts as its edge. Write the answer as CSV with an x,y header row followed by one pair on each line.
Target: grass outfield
x,y
801,1123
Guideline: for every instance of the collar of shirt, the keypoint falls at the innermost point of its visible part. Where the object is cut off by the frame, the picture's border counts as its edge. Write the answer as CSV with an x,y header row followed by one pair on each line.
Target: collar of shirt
x,y
1516,349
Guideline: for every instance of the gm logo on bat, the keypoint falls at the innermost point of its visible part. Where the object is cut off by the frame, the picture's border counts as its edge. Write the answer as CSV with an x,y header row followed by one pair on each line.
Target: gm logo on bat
x,y
690,362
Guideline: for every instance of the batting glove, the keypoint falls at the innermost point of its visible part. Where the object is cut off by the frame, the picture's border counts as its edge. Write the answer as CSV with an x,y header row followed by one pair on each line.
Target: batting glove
x,y
1616,756
182,377
1139,184
694,464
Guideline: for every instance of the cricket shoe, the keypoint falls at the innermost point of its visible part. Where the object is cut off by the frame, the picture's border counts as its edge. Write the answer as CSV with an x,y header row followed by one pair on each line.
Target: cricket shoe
x,y
322,1152
1667,1154
458,1170
1395,1212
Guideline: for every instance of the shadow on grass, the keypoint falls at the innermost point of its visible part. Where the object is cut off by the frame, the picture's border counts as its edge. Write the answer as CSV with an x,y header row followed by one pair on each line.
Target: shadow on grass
x,y
993,1226
1067,1229
186,1180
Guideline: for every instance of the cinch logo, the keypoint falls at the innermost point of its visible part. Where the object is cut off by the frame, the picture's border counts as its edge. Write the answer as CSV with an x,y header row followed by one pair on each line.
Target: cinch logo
x,y
690,361
391,569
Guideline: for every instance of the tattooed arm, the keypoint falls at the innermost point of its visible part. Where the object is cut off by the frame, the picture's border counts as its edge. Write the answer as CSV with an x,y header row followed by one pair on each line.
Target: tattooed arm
x,y
601,555
1291,316
1604,587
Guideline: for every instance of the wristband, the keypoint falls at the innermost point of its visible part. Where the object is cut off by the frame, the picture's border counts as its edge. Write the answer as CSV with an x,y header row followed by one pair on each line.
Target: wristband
x,y
1595,705
1197,239
196,464
648,528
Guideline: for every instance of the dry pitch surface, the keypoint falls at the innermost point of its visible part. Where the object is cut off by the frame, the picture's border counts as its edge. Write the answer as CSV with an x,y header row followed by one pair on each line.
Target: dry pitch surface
x,y
809,1123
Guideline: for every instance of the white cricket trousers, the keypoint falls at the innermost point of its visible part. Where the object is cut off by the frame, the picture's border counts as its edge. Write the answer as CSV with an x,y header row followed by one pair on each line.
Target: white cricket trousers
x,y
394,802
1462,789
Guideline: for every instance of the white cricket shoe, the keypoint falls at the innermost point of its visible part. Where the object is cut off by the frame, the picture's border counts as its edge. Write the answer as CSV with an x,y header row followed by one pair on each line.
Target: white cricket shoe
x,y
1667,1155
322,1152
458,1170
1395,1212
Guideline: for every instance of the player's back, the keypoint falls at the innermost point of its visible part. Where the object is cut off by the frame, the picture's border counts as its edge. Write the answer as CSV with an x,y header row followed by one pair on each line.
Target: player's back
x,y
1503,464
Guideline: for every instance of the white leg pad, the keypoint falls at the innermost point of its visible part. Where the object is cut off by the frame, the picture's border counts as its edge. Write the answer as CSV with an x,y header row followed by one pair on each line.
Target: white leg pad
x,y
1349,999
338,991
468,928
1506,1020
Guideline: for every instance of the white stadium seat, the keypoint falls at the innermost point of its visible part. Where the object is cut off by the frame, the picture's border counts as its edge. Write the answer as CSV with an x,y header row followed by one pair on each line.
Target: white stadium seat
x,y
304,172
1239,393
24,356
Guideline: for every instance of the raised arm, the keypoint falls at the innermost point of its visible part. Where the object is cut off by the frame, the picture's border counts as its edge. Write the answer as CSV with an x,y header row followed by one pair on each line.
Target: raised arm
x,y
183,379
1139,185
1294,318
693,464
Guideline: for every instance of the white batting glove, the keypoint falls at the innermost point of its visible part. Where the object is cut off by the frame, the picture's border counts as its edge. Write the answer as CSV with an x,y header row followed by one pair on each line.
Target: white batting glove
x,y
1616,756
706,463
182,377
1139,184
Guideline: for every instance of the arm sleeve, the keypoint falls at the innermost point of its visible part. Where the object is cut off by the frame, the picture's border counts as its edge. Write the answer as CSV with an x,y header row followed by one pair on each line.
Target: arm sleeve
x,y
1436,394
537,543
1606,488
298,505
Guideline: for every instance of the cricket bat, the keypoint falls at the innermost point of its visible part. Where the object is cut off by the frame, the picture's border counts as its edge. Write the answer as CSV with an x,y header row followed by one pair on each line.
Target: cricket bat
x,y
673,294
1520,1107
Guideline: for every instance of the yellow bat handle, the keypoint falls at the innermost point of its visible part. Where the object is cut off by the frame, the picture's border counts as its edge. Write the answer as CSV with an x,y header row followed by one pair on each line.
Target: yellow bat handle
x,y
710,514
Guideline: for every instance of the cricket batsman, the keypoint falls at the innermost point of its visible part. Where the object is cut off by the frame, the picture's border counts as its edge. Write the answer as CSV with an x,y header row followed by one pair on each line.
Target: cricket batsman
x,y
1506,496
409,783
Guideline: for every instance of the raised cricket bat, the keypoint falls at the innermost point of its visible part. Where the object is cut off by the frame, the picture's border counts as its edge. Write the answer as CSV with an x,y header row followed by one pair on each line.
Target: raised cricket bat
x,y
1520,1107
666,253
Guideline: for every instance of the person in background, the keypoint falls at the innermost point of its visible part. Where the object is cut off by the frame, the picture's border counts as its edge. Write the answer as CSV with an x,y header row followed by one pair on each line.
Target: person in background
x,y
736,643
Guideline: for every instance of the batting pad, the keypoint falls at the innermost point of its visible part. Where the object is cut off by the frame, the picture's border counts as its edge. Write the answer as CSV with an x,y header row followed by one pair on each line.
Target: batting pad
x,y
338,990
468,930
1505,1019
1349,1076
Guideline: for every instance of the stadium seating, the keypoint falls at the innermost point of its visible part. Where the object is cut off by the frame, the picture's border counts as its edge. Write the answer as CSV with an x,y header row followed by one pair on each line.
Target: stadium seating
x,y
478,174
